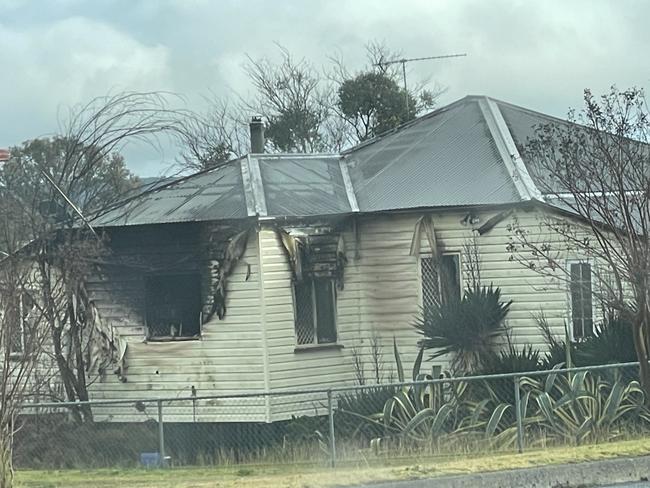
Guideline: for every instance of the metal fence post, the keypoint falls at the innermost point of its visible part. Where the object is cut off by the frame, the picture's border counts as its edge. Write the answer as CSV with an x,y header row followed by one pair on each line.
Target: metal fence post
x,y
330,412
161,435
520,421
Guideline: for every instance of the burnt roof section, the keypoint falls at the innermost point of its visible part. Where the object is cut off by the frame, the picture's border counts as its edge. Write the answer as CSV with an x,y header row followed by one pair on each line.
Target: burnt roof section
x,y
299,185
447,158
217,194
464,154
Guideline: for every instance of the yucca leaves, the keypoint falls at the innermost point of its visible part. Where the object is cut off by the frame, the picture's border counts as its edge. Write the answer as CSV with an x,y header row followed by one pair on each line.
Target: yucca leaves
x,y
575,408
495,419
585,405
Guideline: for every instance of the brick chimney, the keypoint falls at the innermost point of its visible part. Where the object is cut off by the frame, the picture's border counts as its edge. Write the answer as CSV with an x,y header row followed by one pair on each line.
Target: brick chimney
x,y
257,135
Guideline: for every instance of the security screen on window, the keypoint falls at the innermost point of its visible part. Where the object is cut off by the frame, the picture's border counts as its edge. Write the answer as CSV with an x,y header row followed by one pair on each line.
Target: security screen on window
x,y
18,319
441,283
173,306
581,301
315,312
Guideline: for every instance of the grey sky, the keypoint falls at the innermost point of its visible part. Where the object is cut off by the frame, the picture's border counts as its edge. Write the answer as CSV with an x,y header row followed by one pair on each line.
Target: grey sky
x,y
539,54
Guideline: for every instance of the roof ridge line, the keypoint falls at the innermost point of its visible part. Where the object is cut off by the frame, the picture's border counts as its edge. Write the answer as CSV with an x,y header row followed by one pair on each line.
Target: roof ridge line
x,y
508,150
256,186
349,187
315,155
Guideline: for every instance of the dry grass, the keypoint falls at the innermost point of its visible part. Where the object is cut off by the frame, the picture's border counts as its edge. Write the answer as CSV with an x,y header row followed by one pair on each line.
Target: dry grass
x,y
297,477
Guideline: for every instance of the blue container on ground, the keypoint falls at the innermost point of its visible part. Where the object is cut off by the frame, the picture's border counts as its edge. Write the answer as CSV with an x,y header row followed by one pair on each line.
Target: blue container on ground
x,y
150,459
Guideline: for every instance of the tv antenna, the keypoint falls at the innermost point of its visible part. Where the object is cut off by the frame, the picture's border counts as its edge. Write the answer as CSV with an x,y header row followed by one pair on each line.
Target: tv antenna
x,y
403,62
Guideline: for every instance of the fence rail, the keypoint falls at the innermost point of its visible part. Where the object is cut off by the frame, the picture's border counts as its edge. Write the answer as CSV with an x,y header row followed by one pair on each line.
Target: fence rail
x,y
427,417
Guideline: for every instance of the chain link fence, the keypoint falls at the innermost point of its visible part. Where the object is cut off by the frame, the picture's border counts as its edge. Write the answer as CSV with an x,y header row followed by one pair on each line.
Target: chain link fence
x,y
353,424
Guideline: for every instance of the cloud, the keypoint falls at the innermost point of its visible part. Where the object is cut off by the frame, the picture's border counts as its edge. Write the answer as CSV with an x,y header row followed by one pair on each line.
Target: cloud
x,y
47,67
537,54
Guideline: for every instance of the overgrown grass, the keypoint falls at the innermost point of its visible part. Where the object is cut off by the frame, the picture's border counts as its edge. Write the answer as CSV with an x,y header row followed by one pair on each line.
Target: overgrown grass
x,y
369,470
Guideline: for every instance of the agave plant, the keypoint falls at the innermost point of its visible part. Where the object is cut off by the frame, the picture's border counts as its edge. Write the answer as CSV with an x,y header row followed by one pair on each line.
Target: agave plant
x,y
464,329
428,410
585,406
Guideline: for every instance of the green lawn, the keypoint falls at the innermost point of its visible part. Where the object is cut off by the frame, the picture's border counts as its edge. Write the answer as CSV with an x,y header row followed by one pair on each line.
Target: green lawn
x,y
297,477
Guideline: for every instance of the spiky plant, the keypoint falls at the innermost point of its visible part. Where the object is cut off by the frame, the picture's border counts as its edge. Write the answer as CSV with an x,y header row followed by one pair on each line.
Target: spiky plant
x,y
585,406
466,329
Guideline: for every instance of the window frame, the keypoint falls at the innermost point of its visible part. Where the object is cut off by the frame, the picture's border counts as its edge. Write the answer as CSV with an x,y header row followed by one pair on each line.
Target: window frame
x,y
168,338
461,279
23,323
594,308
315,343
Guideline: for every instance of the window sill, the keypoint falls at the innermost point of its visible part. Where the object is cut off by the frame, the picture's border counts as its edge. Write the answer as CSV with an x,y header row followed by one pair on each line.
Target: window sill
x,y
173,339
317,347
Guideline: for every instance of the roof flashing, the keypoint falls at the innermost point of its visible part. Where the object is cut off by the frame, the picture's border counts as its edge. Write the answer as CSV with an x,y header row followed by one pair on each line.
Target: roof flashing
x,y
508,150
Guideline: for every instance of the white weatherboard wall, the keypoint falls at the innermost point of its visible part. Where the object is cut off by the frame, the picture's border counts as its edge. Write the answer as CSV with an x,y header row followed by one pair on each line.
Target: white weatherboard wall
x,y
227,360
381,297
254,348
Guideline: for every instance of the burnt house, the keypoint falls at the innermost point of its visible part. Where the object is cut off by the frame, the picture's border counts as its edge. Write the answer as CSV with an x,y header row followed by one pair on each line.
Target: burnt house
x,y
279,271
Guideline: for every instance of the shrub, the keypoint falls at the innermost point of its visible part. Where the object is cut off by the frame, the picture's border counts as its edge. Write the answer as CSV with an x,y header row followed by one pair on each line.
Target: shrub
x,y
513,360
612,343
464,329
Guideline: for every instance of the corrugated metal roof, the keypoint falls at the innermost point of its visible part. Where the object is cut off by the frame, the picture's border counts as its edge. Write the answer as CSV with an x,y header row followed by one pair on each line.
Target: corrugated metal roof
x,y
217,194
303,185
445,159
522,124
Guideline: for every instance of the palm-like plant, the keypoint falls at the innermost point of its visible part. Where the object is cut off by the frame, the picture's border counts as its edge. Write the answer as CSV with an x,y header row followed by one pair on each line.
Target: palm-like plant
x,y
464,329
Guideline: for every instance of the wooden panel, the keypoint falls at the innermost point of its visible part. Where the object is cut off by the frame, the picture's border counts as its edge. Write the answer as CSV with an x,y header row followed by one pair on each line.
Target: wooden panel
x,y
226,360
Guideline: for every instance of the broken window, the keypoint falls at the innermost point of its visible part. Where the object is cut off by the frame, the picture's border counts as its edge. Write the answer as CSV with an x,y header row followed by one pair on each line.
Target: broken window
x,y
173,306
581,301
315,311
441,283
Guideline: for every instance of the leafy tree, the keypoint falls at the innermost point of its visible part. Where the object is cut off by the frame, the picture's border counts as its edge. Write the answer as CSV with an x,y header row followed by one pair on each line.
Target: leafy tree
x,y
95,179
373,103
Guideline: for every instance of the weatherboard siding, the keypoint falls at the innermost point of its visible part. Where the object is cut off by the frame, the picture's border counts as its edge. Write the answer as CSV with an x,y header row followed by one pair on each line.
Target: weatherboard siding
x,y
226,360
254,348
382,297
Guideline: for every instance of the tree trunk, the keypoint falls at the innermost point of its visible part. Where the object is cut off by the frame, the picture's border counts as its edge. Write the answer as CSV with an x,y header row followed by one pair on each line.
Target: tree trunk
x,y
642,357
80,364
67,377
6,466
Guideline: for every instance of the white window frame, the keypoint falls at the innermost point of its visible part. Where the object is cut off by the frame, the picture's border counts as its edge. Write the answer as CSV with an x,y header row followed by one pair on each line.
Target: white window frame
x,y
315,342
19,354
461,278
594,308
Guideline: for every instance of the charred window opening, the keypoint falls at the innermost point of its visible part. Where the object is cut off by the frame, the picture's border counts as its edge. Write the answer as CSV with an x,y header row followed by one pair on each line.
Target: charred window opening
x,y
441,283
317,258
173,306
315,311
